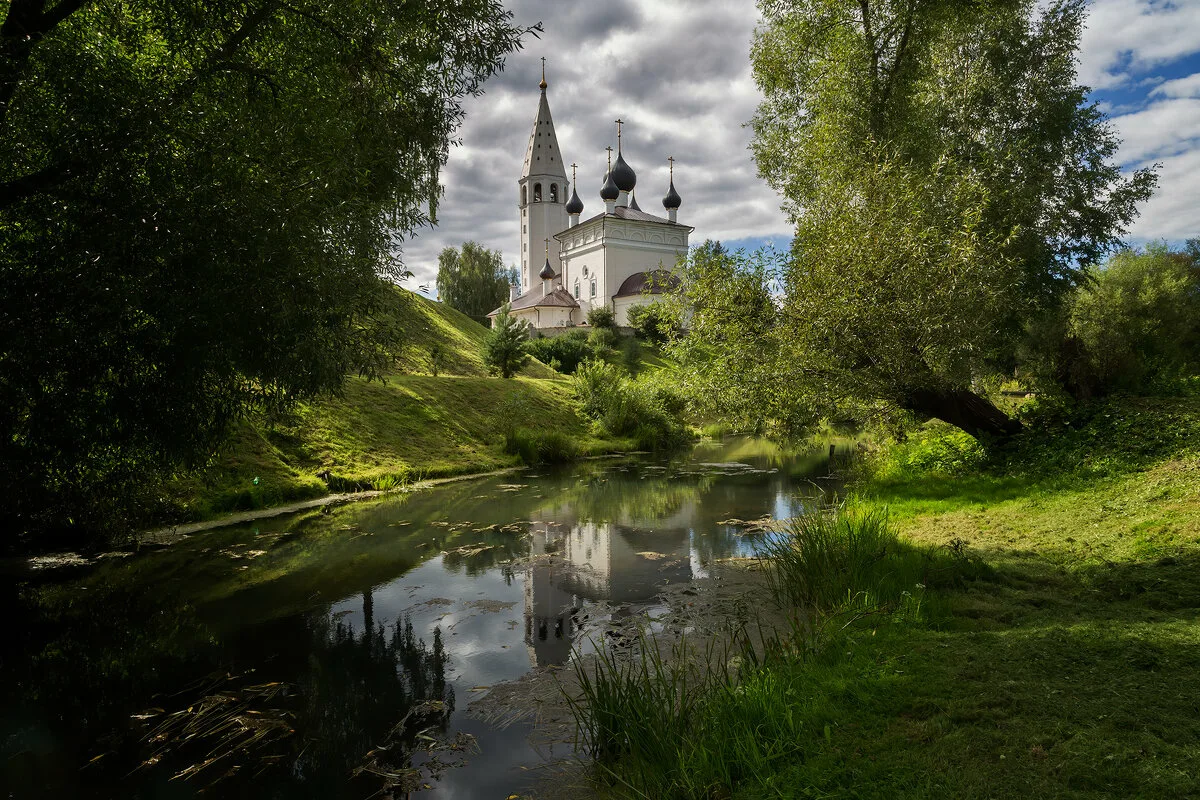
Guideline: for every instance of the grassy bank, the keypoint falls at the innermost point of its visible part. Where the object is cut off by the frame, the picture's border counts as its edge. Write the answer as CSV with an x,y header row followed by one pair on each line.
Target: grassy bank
x,y
379,434
1053,653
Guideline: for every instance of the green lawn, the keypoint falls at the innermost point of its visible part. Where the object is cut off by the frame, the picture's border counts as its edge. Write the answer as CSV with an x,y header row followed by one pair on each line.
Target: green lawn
x,y
1058,658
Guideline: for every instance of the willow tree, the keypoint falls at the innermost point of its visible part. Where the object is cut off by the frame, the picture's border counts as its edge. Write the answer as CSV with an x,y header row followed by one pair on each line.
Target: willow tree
x,y
474,279
948,182
199,204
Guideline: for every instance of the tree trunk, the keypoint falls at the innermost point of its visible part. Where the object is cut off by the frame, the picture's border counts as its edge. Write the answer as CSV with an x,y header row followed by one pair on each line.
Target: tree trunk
x,y
966,410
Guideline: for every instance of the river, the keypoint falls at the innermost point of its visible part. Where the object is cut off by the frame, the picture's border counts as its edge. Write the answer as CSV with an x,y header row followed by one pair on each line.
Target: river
x,y
333,653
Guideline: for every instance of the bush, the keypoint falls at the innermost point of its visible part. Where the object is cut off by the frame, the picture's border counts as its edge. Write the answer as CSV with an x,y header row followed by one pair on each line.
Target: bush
x,y
653,322
1135,328
545,447
569,350
649,411
601,317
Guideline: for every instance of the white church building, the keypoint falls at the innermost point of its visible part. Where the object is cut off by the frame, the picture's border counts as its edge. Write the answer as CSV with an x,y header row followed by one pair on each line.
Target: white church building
x,y
617,258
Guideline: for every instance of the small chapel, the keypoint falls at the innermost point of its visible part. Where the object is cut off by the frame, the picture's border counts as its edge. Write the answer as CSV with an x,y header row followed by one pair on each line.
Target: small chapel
x,y
619,257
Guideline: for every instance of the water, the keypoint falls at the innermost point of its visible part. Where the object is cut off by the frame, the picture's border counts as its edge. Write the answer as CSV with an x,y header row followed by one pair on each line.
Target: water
x,y
329,655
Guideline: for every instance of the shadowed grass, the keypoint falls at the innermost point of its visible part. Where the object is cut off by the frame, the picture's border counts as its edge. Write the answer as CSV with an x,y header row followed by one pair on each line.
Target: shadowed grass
x,y
1052,655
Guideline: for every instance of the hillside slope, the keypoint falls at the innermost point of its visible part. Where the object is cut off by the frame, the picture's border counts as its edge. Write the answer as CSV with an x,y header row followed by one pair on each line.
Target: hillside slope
x,y
379,433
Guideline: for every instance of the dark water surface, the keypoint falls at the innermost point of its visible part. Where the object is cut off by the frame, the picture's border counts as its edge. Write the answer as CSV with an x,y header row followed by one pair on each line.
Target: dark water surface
x,y
328,655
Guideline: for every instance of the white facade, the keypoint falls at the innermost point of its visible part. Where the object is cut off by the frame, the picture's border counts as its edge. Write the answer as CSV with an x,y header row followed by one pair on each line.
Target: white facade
x,y
599,255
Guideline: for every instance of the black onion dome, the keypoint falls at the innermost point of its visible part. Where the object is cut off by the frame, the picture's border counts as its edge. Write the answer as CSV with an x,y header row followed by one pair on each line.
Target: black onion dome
x,y
624,175
547,271
609,190
574,205
633,203
672,200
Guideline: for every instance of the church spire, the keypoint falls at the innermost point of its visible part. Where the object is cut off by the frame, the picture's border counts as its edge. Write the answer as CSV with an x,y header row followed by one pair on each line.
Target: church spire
x,y
543,189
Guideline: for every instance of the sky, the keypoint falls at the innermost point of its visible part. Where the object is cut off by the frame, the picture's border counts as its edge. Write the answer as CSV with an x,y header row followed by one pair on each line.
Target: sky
x,y
678,73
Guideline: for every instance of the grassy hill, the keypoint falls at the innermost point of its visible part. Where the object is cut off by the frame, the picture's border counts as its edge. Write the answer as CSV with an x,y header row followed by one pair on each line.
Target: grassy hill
x,y
377,434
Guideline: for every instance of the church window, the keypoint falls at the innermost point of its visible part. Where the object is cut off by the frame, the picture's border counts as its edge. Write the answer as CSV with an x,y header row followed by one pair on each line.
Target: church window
x,y
554,193
537,193
576,290
593,288
524,195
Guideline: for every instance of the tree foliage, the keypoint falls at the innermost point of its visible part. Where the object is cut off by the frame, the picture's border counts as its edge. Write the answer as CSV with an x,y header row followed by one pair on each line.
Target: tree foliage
x,y
473,280
948,182
198,204
1133,328
506,348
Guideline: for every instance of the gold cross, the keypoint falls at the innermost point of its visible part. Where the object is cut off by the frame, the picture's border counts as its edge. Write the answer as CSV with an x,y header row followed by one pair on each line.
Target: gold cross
x,y
609,149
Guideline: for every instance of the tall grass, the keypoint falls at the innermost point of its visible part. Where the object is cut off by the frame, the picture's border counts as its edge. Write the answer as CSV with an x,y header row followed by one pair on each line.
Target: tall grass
x,y
544,447
737,715
846,560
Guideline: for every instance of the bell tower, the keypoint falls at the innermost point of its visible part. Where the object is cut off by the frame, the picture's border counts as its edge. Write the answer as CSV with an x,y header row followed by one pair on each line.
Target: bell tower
x,y
543,193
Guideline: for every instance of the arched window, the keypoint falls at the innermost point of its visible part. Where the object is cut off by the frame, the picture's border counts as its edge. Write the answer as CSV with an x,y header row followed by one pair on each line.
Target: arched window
x,y
554,193
537,193
593,288
576,290
524,195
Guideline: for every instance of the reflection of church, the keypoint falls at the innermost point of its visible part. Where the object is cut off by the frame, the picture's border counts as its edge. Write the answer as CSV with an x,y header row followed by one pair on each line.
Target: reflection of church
x,y
596,562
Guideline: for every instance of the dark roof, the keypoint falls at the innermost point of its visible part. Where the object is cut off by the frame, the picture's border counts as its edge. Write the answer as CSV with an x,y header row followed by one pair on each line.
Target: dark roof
x,y
633,202
609,190
672,200
656,281
623,174
574,205
547,271
533,299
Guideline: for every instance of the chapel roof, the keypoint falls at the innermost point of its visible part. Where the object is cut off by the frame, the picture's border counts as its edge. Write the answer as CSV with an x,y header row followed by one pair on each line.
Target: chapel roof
x,y
559,298
655,281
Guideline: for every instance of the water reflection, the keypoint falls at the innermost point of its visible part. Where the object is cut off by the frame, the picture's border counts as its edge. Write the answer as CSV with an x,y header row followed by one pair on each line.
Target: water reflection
x,y
419,601
598,562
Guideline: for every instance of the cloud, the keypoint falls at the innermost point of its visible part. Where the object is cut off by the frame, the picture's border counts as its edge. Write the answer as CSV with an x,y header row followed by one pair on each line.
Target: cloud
x,y
1125,37
1180,87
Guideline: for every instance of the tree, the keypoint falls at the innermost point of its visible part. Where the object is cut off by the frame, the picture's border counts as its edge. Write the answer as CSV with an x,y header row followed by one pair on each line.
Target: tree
x,y
1134,327
505,348
199,206
475,280
948,183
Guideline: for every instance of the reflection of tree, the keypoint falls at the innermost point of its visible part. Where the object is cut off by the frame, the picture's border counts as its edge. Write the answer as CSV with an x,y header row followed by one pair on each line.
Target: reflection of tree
x,y
628,498
356,689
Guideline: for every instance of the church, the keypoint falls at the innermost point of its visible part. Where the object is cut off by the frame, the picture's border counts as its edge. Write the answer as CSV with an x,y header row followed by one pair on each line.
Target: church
x,y
617,258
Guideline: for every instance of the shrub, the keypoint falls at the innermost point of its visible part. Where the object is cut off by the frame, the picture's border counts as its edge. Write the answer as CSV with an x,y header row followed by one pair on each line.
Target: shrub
x,y
649,411
569,350
601,317
653,322
1134,328
545,447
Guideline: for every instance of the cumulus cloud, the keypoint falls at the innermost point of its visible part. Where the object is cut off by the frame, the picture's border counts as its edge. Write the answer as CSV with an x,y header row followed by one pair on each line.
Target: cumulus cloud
x,y
676,71
1127,37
